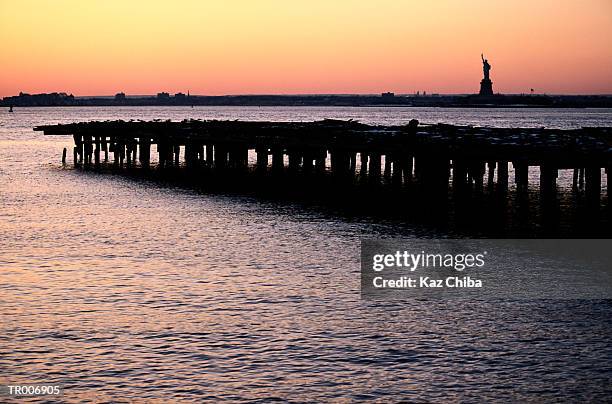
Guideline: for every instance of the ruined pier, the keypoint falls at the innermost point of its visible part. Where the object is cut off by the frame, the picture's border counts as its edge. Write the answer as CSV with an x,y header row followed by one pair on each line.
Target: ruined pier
x,y
436,157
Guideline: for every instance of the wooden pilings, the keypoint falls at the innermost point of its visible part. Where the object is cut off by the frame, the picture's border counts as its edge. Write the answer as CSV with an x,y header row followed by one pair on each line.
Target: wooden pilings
x,y
87,149
97,151
469,175
491,173
104,148
191,154
145,151
210,154
352,162
201,157
308,158
609,183
262,157
521,175
502,176
588,179
78,149
239,157
430,170
476,172
433,173
548,179
176,149
220,157
374,165
278,158
396,164
406,157
363,163
593,183
321,158
295,160
460,168
575,179
407,164
387,171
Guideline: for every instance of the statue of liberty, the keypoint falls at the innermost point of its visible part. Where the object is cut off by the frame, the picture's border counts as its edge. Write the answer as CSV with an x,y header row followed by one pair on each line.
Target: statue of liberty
x,y
486,86
486,67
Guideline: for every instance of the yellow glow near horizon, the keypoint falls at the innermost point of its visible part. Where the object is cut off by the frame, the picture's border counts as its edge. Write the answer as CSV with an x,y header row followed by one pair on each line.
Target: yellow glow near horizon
x,y
289,47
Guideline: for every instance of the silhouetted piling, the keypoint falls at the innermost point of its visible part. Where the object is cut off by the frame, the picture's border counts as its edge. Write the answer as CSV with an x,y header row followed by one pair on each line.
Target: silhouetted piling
x,y
277,159
521,175
387,171
262,158
490,173
105,148
397,170
364,163
320,160
593,184
502,176
145,151
548,179
459,169
352,162
97,151
575,179
407,165
609,183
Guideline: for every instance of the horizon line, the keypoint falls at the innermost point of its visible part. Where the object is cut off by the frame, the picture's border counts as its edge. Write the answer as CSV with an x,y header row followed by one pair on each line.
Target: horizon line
x,y
421,94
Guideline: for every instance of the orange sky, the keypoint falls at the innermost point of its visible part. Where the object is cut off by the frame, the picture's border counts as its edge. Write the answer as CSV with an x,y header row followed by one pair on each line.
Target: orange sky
x,y
89,47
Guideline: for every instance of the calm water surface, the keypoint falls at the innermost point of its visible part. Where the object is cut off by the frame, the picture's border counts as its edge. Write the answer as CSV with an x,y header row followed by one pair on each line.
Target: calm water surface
x,y
122,290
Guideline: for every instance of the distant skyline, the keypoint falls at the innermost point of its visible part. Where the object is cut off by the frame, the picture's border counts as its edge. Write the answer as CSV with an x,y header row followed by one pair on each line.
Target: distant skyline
x,y
315,47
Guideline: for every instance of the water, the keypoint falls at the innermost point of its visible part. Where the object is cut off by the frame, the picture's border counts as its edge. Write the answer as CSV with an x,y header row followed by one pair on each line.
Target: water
x,y
120,289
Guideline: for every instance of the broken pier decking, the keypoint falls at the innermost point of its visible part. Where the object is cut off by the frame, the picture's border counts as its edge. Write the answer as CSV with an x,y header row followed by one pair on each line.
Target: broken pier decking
x,y
428,154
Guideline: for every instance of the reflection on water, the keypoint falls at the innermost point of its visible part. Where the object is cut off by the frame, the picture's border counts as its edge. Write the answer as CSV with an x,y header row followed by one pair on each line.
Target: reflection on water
x,y
120,288
452,211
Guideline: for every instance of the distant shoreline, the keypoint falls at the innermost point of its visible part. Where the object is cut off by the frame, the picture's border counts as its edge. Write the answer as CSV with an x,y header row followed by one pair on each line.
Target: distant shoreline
x,y
383,100
323,106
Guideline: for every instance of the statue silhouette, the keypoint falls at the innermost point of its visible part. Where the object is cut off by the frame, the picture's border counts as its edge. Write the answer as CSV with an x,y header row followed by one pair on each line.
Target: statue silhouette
x,y
486,67
486,86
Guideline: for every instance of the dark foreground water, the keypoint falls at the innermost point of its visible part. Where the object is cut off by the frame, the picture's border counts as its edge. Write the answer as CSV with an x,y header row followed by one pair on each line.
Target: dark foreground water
x,y
121,289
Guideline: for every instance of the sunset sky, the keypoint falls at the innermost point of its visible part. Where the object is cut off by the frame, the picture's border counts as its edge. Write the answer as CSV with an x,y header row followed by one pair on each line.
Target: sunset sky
x,y
290,47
